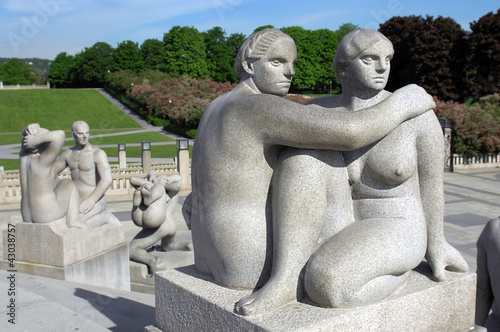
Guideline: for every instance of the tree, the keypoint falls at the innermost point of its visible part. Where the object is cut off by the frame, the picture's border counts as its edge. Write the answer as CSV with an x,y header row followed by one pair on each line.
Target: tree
x,y
327,46
92,64
429,52
127,56
60,70
152,54
185,52
344,29
13,73
311,71
219,56
484,70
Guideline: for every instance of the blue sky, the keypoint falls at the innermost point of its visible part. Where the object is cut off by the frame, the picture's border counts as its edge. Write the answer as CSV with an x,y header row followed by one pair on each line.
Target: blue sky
x,y
44,28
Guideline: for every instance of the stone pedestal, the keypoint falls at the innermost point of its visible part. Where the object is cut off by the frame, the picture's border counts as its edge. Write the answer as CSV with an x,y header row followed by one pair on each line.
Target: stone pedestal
x,y
189,301
97,256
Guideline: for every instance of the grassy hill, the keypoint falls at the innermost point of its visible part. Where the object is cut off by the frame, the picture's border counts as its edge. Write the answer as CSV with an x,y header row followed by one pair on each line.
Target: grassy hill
x,y
59,108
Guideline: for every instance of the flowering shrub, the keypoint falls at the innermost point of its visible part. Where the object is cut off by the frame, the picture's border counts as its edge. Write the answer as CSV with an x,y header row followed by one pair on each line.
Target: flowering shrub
x,y
477,126
181,101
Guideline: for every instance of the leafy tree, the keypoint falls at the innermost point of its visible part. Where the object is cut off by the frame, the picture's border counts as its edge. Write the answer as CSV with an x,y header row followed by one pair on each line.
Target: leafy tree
x,y
60,70
485,60
344,29
152,54
127,56
429,52
185,52
327,46
219,56
311,70
92,64
13,72
263,27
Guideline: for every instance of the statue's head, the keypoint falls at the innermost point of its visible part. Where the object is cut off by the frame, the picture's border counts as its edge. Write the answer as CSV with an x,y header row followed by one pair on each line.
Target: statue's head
x,y
368,47
81,132
267,57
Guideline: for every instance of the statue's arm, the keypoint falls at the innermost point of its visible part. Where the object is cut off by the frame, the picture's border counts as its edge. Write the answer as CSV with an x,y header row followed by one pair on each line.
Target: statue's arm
x,y
430,154
105,177
60,164
317,127
54,140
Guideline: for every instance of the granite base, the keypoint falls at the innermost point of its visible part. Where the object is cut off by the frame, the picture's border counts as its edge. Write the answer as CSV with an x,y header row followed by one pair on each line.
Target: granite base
x,y
189,301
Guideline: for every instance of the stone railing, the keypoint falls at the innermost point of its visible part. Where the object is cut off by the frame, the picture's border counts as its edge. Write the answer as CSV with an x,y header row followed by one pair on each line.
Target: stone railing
x,y
481,161
10,188
18,86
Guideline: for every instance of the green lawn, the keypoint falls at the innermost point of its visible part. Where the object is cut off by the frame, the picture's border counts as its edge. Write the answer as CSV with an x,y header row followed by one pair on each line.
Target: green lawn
x,y
58,109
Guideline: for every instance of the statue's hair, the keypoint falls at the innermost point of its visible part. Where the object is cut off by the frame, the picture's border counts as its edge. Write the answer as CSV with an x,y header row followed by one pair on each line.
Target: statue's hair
x,y
77,123
255,46
352,45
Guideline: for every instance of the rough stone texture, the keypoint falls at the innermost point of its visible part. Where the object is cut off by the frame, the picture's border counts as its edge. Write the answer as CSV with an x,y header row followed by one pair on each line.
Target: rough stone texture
x,y
189,301
109,268
57,245
237,147
488,277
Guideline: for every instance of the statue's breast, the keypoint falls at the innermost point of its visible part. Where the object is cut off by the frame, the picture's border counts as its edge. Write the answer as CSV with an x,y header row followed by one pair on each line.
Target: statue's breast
x,y
393,160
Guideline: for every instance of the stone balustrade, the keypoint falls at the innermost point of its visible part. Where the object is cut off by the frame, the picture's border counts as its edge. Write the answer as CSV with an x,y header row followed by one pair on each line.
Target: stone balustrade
x,y
10,188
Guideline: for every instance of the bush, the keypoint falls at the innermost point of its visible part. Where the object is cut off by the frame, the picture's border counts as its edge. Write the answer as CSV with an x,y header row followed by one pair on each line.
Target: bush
x,y
180,100
476,126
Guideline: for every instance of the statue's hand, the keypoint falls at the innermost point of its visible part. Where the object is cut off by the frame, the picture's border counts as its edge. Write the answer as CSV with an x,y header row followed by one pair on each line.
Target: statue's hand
x,y
443,257
87,205
30,142
414,100
33,129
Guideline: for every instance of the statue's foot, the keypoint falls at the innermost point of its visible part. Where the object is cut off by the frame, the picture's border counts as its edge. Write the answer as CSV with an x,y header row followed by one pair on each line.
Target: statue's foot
x,y
180,246
267,299
77,224
157,265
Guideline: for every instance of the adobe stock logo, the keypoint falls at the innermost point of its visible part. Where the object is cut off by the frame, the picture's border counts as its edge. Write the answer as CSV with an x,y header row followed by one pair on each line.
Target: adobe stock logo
x,y
223,6
32,24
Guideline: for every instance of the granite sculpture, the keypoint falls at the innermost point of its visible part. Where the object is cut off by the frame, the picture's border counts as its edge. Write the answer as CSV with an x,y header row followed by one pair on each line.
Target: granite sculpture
x,y
238,143
394,188
42,201
488,277
91,173
154,202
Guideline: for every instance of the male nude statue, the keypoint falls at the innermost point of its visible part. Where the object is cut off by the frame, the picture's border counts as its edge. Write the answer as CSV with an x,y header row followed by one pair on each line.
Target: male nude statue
x,y
91,173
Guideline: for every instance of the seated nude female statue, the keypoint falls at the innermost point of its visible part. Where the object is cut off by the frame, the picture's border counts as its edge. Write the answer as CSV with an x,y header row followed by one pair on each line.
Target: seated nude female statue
x,y
236,151
42,201
397,195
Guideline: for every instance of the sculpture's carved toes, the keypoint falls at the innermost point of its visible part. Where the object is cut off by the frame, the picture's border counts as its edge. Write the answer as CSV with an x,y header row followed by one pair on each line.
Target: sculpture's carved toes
x,y
77,224
265,300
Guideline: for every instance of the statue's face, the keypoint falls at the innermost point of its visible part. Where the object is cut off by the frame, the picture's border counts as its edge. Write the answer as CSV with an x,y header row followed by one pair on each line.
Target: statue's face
x,y
273,72
81,134
370,70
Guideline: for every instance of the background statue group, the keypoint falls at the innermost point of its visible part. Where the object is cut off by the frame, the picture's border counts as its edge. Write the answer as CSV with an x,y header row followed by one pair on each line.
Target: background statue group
x,y
45,198
338,199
